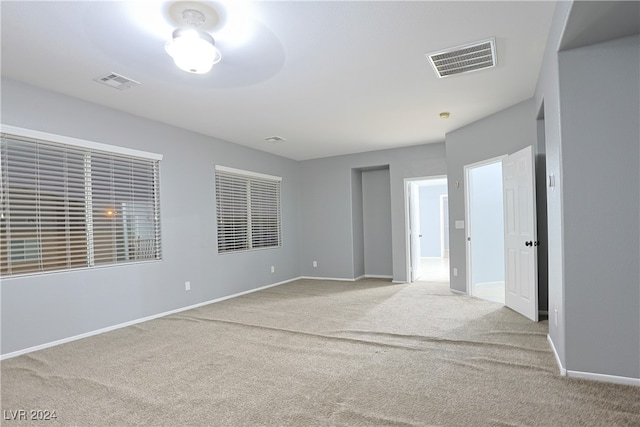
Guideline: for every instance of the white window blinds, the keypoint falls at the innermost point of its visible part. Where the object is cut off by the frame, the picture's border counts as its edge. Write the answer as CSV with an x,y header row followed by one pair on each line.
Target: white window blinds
x,y
65,206
248,210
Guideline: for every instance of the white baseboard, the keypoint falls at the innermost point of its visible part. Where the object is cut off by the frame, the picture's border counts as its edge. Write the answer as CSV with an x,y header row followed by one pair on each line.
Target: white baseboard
x,y
341,279
344,279
135,322
372,276
605,378
563,371
591,375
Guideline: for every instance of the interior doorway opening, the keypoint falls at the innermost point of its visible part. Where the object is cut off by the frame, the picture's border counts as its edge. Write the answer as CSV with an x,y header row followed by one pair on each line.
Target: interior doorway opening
x,y
428,229
485,230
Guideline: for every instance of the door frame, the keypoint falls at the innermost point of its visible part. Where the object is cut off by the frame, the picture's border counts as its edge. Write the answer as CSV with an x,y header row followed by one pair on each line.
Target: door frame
x,y
415,235
467,214
407,235
444,202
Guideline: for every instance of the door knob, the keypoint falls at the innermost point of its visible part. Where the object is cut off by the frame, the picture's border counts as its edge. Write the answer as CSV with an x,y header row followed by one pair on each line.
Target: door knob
x,y
529,243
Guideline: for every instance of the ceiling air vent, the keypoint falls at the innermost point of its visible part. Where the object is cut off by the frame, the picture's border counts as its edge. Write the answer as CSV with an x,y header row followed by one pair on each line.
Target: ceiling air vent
x,y
462,59
117,81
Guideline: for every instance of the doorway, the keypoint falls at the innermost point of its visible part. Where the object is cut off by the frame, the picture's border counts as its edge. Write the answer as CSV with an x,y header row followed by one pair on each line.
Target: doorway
x,y
428,229
485,230
371,222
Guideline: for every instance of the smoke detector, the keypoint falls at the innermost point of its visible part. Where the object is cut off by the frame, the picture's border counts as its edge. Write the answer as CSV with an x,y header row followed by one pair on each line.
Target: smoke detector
x,y
274,139
463,59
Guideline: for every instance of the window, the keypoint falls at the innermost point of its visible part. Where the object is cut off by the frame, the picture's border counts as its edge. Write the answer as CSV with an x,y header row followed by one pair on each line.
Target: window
x,y
248,210
67,204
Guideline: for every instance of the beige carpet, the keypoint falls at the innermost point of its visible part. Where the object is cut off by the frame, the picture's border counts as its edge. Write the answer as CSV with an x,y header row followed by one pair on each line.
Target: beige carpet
x,y
317,353
491,291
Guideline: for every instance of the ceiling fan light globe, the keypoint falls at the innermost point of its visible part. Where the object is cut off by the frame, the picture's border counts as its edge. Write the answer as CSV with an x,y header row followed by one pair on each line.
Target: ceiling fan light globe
x,y
193,51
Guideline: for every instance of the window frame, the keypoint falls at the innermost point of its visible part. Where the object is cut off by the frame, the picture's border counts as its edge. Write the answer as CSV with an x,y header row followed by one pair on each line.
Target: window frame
x,y
89,148
248,178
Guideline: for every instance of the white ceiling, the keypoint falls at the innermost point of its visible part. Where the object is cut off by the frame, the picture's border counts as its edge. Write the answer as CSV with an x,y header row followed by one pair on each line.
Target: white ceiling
x,y
331,77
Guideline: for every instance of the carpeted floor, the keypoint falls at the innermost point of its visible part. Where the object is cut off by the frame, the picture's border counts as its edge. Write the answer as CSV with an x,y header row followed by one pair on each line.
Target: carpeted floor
x,y
317,353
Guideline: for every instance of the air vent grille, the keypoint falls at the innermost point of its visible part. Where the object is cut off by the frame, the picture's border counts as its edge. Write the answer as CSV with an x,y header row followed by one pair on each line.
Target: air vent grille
x,y
463,59
117,81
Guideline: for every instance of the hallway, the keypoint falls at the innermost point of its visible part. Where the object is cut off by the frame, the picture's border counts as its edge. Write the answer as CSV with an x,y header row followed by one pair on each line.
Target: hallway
x,y
434,270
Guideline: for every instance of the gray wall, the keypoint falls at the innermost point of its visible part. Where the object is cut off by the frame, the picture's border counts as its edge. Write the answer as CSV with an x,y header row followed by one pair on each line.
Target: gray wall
x,y
376,199
320,219
548,93
599,92
589,98
44,308
326,204
430,242
502,133
486,224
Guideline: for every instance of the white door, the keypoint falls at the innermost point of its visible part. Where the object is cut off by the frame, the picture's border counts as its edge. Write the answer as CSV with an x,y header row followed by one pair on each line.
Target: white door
x,y
521,275
414,230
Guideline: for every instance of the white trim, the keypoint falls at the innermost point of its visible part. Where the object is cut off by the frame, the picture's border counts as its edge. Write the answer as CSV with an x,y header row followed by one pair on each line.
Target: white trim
x,y
604,378
247,173
563,371
591,375
407,233
407,237
343,279
467,215
135,322
372,276
28,133
340,279
442,228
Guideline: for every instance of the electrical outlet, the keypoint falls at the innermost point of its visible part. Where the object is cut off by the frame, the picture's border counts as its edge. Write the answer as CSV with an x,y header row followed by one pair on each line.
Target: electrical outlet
x,y
315,263
273,268
556,317
187,286
455,271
